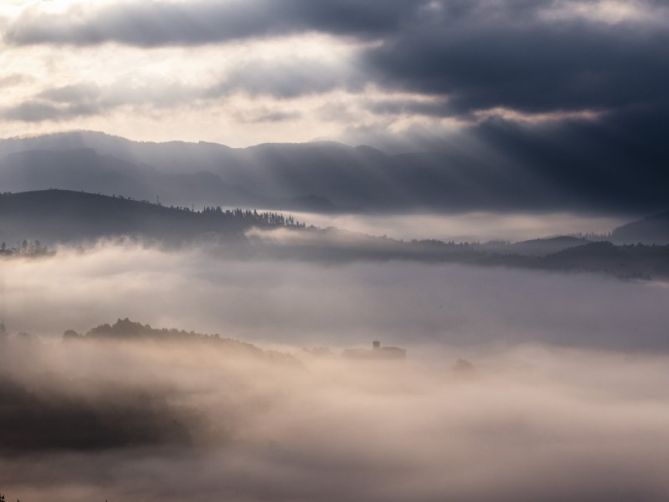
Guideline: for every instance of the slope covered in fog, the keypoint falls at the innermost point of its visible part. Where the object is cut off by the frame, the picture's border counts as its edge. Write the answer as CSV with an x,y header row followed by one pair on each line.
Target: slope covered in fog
x,y
103,409
153,422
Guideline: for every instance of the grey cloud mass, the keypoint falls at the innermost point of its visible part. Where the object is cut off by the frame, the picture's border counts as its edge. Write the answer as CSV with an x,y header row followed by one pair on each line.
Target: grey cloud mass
x,y
152,23
480,54
57,103
513,58
38,111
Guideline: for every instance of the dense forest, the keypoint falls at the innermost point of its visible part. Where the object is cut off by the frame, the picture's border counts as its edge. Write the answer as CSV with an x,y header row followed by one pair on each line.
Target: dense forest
x,y
63,216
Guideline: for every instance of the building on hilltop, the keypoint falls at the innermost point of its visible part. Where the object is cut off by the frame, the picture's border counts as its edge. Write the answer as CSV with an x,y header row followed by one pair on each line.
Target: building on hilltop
x,y
377,352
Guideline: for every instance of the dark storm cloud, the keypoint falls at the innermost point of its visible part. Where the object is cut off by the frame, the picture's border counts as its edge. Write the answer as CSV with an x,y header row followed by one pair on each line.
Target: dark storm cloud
x,y
515,58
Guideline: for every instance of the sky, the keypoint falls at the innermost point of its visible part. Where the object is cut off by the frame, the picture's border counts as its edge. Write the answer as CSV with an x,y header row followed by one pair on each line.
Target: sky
x,y
253,71
551,100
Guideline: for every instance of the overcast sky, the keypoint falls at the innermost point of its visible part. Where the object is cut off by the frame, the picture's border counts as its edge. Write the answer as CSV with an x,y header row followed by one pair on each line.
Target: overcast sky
x,y
242,72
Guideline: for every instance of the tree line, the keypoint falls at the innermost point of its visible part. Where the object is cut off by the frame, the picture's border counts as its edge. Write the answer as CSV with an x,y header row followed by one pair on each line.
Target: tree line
x,y
25,248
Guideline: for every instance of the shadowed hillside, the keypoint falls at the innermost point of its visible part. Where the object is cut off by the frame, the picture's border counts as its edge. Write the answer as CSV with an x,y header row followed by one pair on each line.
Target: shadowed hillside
x,y
86,413
66,216
652,229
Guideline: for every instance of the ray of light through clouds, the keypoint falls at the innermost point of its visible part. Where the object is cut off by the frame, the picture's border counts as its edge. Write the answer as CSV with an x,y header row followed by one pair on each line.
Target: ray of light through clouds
x,y
310,80
152,72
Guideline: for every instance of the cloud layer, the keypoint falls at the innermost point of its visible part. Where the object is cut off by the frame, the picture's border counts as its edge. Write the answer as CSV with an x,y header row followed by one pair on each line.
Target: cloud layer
x,y
526,56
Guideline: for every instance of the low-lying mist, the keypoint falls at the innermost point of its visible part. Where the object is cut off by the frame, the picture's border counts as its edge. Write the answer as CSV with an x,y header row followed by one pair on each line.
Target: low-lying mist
x,y
95,420
475,226
298,303
561,394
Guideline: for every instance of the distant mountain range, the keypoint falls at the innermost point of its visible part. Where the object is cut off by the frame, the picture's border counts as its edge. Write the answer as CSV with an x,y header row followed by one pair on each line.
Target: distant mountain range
x,y
318,176
321,177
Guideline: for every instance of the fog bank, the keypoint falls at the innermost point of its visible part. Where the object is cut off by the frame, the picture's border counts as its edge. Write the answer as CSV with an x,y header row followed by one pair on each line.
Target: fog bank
x,y
530,423
423,306
563,396
478,226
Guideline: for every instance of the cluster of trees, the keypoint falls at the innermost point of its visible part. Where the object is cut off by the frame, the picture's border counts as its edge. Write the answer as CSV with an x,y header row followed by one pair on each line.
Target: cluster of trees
x,y
263,218
26,248
125,329
254,217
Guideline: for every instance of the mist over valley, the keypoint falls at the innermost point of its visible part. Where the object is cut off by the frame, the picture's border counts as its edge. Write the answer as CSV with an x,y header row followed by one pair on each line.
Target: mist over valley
x,y
334,250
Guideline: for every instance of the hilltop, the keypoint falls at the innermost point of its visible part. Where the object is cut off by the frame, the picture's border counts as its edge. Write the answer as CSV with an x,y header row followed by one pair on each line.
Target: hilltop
x,y
57,216
132,331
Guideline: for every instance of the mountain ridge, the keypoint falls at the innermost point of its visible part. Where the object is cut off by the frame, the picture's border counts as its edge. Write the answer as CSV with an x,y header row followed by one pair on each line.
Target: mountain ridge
x,y
352,179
